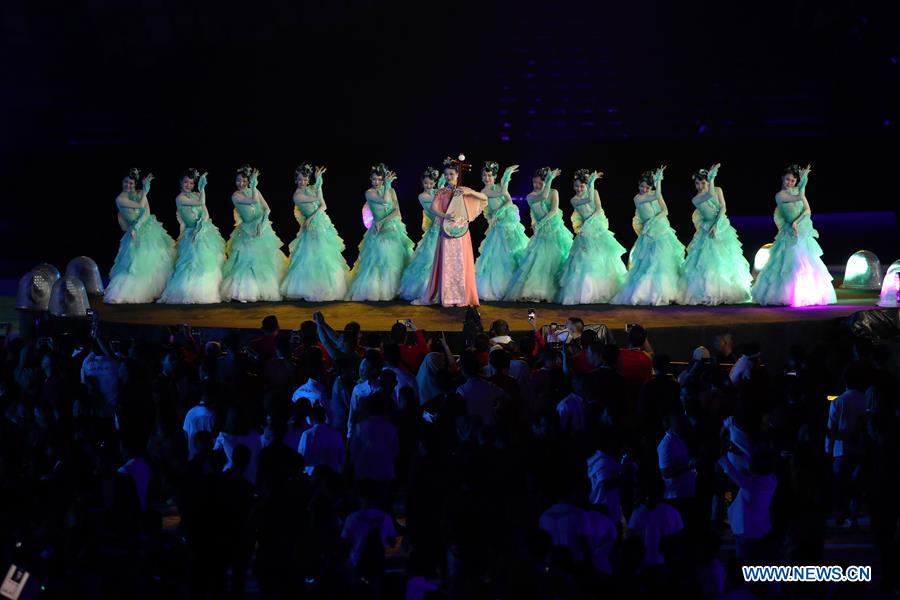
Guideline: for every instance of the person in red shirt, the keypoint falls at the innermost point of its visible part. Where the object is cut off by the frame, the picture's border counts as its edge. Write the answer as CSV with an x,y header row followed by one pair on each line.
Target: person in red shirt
x,y
481,347
636,361
264,346
412,343
576,346
309,338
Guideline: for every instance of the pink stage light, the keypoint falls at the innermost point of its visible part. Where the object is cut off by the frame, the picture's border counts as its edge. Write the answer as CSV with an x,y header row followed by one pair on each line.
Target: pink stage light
x,y
890,288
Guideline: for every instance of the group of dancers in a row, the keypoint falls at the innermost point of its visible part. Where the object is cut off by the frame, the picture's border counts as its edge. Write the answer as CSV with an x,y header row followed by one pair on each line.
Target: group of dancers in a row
x,y
550,266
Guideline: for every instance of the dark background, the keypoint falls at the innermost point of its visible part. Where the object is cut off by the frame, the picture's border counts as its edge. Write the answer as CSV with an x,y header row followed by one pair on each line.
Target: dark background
x,y
94,87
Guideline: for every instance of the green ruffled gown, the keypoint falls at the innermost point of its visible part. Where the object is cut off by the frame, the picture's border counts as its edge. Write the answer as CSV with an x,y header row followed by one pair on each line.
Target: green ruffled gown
x,y
537,278
317,271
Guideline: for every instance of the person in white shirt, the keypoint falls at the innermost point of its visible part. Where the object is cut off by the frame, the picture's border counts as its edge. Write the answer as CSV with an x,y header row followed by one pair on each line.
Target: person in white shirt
x,y
481,396
367,385
749,512
653,522
312,390
321,444
844,442
500,332
237,432
199,418
740,440
569,527
675,462
743,367
604,472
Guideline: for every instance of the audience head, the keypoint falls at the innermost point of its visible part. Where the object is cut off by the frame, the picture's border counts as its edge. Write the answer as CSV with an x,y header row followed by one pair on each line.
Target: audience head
x,y
500,328
469,364
574,325
637,335
350,337
482,342
398,333
499,359
210,349
309,333
610,355
724,344
372,340
270,325
369,368
588,337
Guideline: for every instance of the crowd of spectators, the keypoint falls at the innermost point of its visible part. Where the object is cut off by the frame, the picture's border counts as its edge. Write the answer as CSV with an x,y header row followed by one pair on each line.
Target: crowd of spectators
x,y
329,462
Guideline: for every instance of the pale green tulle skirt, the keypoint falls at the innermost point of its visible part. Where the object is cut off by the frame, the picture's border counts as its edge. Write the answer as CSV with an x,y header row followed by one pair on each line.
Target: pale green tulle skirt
x,y
537,278
198,268
143,265
795,274
500,253
317,271
594,271
383,256
255,265
715,270
654,266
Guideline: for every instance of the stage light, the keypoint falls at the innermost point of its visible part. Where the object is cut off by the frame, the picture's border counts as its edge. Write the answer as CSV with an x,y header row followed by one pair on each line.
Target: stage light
x,y
85,269
863,271
761,258
368,218
890,289
69,298
35,287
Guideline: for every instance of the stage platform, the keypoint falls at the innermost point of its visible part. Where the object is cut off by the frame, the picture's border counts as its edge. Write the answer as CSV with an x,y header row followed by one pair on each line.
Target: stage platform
x,y
380,316
673,329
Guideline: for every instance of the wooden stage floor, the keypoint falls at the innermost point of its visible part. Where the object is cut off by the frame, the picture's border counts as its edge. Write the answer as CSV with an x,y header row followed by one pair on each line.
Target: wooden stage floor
x,y
380,316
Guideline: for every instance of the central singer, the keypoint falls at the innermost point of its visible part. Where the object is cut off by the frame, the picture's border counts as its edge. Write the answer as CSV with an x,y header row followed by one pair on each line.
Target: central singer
x,y
452,281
